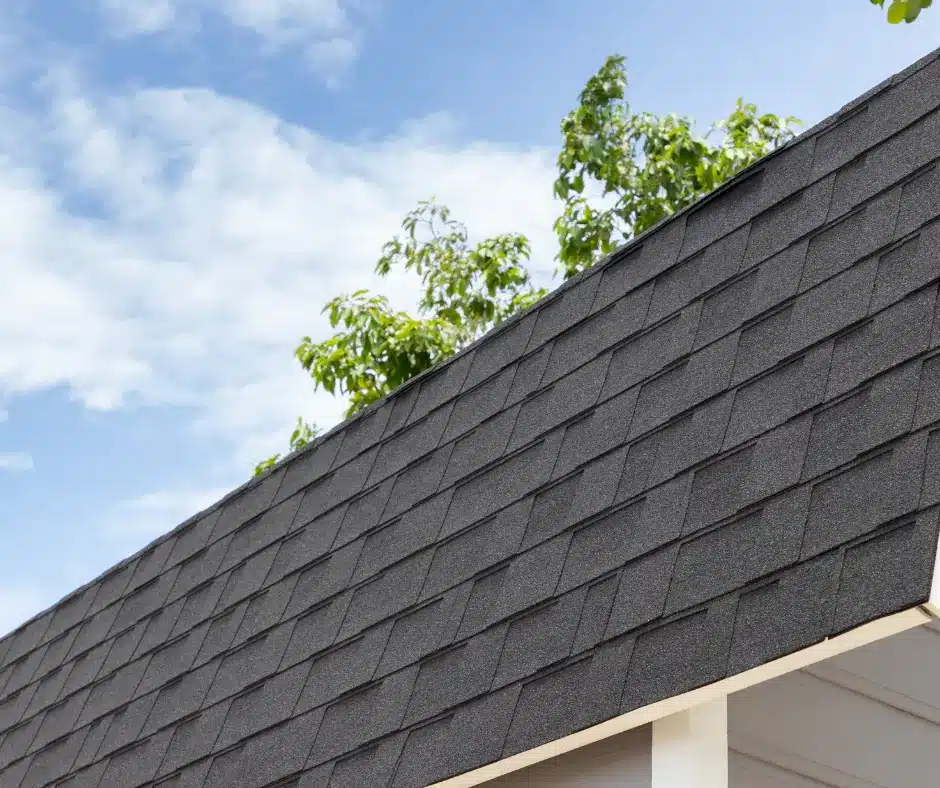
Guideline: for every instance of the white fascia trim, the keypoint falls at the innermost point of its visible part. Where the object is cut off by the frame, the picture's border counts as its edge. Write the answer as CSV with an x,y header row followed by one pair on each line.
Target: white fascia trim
x,y
690,748
933,603
860,636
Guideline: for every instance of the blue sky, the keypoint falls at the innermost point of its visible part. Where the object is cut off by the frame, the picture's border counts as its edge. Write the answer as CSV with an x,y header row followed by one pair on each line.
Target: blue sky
x,y
183,183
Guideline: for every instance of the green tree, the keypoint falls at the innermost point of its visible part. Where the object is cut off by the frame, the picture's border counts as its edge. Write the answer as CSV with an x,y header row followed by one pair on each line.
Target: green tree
x,y
903,10
646,167
466,290
638,168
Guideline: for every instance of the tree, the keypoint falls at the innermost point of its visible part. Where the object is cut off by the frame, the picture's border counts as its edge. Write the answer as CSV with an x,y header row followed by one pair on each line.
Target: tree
x,y
903,10
466,291
648,167
642,167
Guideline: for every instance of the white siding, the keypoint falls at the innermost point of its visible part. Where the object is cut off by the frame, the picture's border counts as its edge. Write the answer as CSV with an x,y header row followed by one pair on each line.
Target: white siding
x,y
747,772
622,761
870,717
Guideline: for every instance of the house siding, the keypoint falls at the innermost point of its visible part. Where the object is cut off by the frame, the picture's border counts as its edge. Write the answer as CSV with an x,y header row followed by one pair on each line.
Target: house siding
x,y
623,761
870,717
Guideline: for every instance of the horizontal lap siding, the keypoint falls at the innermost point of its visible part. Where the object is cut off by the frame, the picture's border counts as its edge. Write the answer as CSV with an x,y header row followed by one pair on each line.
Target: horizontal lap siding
x,y
623,760
869,717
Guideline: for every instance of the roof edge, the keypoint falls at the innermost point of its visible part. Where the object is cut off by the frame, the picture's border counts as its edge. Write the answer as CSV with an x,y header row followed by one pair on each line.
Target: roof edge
x,y
871,632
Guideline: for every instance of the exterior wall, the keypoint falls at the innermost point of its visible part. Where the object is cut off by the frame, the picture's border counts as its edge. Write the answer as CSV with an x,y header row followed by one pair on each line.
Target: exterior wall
x,y
623,761
870,717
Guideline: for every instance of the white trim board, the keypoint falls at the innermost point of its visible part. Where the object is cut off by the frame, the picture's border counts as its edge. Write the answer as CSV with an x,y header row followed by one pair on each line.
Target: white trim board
x,y
933,602
860,636
690,748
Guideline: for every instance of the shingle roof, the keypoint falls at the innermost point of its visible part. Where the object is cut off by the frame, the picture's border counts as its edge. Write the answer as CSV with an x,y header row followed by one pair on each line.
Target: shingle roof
x,y
718,447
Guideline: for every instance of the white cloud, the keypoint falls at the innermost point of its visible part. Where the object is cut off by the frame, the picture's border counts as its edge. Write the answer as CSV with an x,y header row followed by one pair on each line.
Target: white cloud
x,y
140,16
136,522
172,246
13,461
19,603
333,56
281,18
325,30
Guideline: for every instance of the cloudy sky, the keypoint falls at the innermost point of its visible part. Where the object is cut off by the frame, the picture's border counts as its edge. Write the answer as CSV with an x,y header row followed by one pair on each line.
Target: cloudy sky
x,y
183,183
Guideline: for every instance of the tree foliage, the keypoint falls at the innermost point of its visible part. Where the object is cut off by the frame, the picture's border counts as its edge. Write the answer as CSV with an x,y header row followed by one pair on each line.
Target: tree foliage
x,y
466,290
302,435
903,10
640,166
647,167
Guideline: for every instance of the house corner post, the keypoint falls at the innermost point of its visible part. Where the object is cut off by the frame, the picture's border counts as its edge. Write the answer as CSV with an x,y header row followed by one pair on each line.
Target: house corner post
x,y
690,748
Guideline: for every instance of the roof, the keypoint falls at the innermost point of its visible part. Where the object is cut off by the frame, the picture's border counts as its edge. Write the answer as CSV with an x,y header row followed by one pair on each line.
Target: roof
x,y
717,447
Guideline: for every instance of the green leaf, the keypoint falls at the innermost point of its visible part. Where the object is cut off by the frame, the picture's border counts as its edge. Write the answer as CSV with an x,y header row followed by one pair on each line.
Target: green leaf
x,y
897,11
266,465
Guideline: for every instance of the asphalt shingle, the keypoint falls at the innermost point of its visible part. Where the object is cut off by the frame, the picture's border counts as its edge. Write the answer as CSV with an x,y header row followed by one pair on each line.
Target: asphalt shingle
x,y
550,706
504,346
441,386
605,327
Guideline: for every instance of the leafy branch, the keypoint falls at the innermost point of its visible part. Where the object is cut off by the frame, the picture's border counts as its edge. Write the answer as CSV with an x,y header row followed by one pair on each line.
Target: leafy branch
x,y
903,10
644,167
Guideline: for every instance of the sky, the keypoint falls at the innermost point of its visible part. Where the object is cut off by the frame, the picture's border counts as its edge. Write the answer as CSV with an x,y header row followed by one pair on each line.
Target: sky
x,y
185,183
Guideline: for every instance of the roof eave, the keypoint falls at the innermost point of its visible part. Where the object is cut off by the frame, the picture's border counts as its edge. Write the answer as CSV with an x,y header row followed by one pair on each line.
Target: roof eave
x,y
871,632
